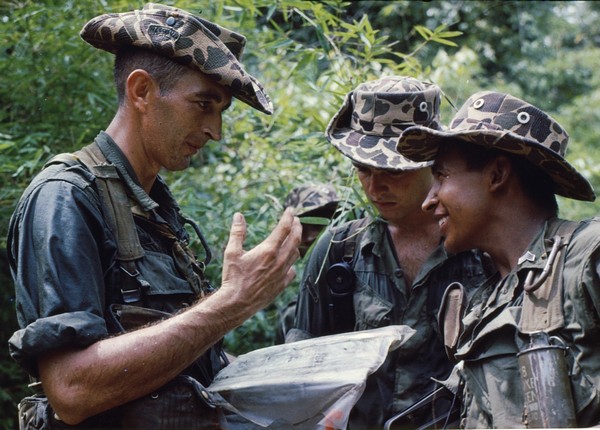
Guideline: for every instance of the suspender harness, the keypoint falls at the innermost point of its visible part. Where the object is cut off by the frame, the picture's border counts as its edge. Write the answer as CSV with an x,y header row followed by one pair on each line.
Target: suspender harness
x,y
117,211
117,206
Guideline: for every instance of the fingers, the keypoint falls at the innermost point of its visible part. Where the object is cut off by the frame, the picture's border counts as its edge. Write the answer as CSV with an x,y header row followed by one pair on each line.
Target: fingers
x,y
255,277
292,241
282,230
291,274
237,235
285,240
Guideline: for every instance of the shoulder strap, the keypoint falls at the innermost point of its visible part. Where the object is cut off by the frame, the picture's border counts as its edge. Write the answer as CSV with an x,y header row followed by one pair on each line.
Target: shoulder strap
x,y
346,246
117,210
119,218
115,199
341,279
542,301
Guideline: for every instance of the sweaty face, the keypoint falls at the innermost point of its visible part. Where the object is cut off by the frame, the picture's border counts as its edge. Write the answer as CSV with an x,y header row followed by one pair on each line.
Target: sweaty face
x,y
458,200
181,121
396,194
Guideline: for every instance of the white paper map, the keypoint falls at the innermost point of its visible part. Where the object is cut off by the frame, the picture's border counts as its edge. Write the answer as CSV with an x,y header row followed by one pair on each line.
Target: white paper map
x,y
309,384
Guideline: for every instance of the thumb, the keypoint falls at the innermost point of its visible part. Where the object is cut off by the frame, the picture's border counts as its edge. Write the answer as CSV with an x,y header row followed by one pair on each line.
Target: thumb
x,y
237,234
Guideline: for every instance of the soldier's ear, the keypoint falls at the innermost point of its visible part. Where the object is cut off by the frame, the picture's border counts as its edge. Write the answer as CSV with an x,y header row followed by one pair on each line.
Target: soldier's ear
x,y
139,89
498,172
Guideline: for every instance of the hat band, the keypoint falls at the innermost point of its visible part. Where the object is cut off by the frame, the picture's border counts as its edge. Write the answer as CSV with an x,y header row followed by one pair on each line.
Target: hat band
x,y
383,130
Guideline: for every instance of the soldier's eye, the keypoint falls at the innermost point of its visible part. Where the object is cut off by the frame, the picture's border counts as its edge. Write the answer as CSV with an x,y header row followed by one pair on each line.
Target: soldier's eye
x,y
439,175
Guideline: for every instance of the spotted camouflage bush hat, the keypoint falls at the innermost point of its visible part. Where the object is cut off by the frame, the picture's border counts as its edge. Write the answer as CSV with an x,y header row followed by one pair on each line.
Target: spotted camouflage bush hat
x,y
506,123
313,200
367,126
187,39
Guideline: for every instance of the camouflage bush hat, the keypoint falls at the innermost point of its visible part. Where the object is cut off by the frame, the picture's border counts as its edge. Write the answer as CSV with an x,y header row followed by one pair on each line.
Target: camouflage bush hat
x,y
367,126
506,123
313,200
187,39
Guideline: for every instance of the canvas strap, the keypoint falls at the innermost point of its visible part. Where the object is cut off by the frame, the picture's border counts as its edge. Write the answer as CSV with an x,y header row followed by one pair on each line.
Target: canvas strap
x,y
542,301
117,211
450,316
114,196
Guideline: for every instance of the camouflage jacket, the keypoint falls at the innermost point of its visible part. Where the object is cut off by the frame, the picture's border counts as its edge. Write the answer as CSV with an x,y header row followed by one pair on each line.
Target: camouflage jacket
x,y
489,342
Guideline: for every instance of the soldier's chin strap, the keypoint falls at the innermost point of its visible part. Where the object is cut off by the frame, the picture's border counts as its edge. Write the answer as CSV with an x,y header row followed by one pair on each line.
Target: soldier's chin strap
x,y
445,394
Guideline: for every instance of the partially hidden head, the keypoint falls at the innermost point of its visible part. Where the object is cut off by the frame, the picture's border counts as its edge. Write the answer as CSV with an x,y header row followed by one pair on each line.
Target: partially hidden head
x,y
314,204
373,115
507,124
185,38
313,200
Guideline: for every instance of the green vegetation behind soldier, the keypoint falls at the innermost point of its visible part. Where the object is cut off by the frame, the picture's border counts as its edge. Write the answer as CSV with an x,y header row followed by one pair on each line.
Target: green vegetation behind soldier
x,y
175,75
497,169
395,265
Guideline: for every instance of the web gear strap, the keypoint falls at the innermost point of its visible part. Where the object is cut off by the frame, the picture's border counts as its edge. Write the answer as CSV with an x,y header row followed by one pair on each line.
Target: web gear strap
x,y
542,301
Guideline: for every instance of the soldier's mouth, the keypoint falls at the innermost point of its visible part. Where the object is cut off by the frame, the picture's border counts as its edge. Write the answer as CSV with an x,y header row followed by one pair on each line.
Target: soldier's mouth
x,y
442,222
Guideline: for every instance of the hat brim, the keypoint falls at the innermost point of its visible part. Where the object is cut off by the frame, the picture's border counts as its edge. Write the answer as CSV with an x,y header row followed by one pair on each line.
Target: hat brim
x,y
368,150
325,211
221,66
421,144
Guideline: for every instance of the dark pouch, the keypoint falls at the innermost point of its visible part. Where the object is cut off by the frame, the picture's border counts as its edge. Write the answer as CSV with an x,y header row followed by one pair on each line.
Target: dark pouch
x,y
124,318
33,411
182,404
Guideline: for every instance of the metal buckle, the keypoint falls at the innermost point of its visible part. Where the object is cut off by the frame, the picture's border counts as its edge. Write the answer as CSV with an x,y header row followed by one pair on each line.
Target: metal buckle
x,y
133,295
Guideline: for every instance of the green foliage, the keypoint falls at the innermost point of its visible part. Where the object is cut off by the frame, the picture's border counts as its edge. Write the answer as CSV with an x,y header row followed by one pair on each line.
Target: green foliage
x,y
57,93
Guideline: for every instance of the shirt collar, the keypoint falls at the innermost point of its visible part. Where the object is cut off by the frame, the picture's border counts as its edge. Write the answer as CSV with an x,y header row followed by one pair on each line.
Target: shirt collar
x,y
375,238
536,254
115,156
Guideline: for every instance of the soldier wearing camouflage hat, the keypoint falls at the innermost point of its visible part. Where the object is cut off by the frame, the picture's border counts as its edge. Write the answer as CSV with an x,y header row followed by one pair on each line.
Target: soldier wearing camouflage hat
x,y
312,204
97,243
497,169
389,269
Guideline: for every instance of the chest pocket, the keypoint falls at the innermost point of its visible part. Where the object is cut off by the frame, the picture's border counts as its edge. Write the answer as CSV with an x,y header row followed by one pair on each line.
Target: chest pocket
x,y
162,275
372,311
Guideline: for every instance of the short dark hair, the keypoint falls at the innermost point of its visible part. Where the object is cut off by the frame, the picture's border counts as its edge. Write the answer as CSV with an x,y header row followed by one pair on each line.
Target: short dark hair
x,y
537,184
165,71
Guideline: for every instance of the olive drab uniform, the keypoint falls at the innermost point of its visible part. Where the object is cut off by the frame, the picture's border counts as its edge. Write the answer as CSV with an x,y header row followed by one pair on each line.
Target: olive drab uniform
x,y
380,297
366,129
71,265
87,279
491,340
507,318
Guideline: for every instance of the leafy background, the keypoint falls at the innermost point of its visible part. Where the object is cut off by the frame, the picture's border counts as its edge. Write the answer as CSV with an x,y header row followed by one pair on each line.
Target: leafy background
x,y
57,93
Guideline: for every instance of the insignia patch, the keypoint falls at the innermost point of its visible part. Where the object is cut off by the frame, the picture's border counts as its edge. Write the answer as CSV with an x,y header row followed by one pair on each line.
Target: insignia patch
x,y
528,256
159,33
